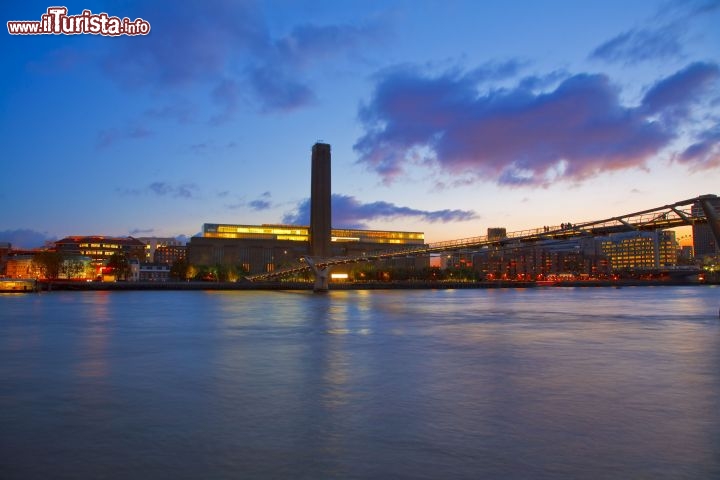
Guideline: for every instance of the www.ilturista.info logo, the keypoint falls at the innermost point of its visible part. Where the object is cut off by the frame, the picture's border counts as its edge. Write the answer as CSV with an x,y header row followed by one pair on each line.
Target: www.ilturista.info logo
x,y
57,22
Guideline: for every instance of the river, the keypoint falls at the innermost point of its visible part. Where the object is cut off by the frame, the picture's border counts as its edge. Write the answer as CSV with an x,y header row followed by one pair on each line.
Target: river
x,y
540,383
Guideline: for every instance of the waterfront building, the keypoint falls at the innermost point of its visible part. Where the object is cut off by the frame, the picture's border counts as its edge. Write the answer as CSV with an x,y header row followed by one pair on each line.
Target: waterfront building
x,y
29,264
640,250
152,244
148,272
5,249
264,248
101,248
575,258
169,254
22,265
630,252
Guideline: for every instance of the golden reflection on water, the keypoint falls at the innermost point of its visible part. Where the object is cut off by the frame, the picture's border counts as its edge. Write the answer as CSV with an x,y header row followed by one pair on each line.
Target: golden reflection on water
x,y
93,347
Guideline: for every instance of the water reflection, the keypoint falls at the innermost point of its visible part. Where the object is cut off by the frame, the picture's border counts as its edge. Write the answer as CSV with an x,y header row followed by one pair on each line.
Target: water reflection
x,y
93,348
537,383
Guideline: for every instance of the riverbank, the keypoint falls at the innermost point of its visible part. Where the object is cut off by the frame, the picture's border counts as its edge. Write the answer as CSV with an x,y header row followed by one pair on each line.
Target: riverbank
x,y
120,286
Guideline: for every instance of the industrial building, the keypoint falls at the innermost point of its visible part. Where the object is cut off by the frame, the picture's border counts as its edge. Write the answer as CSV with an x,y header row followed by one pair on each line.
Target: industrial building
x,y
264,248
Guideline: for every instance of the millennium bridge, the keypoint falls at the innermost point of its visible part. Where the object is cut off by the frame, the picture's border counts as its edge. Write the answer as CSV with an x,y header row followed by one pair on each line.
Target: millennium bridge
x,y
673,215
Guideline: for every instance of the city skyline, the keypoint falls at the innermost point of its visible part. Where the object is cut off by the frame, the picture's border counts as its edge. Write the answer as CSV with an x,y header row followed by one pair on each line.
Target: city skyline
x,y
443,118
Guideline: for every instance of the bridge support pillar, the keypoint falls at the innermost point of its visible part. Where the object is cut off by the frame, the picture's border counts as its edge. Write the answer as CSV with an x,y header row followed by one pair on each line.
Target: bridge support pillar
x,y
321,280
712,215
321,276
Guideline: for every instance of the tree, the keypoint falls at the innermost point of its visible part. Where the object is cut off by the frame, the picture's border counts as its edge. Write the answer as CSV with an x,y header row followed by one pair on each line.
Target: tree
x,y
220,272
49,263
179,270
120,265
72,267
191,272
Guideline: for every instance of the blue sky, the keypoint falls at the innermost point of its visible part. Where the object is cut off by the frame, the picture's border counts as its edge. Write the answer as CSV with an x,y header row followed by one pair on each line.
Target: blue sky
x,y
446,117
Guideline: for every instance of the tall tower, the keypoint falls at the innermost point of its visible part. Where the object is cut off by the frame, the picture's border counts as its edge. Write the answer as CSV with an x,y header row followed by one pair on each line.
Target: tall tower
x,y
320,213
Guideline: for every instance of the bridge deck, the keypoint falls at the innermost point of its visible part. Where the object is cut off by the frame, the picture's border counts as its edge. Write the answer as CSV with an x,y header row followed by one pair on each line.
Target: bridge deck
x,y
667,216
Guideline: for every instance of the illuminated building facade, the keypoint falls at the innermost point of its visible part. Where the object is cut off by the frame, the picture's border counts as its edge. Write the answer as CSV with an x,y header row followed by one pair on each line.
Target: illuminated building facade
x,y
152,244
263,248
577,258
631,252
25,264
22,266
101,248
169,254
295,233
640,250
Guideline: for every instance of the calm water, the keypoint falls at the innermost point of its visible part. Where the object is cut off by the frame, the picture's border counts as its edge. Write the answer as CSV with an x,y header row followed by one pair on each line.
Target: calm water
x,y
499,384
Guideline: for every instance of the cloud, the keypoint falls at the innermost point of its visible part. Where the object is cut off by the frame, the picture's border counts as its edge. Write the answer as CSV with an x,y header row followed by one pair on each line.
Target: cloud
x,y
262,203
661,40
136,231
518,136
106,138
307,43
278,91
681,89
199,148
180,111
349,212
701,7
258,205
704,154
640,45
229,52
25,238
183,239
209,148
226,95
162,189
185,47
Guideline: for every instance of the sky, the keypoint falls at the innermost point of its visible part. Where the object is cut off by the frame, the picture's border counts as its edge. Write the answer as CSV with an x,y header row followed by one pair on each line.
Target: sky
x,y
444,117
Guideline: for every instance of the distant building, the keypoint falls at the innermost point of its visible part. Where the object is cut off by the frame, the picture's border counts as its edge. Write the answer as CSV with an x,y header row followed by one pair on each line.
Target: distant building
x,y
148,272
154,272
496,233
5,249
685,254
704,242
152,244
169,254
579,257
